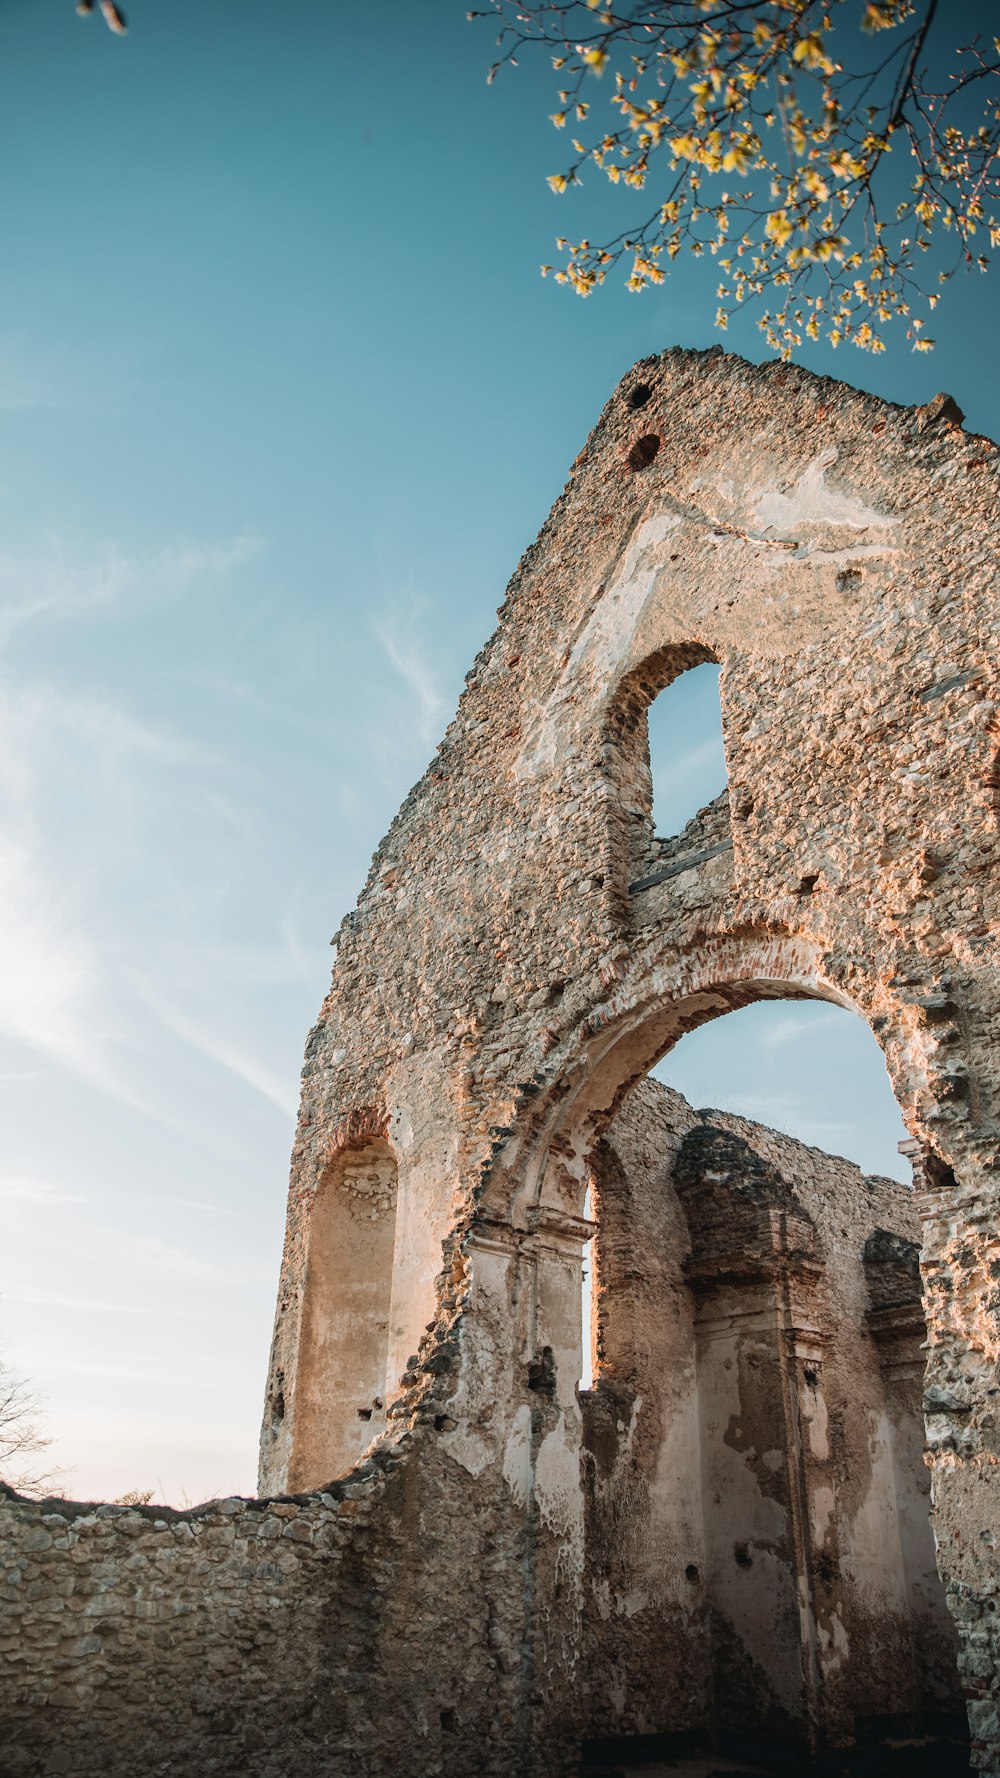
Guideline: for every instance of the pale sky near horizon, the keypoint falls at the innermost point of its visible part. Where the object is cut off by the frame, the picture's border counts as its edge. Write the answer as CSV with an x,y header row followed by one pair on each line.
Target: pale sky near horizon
x,y
282,399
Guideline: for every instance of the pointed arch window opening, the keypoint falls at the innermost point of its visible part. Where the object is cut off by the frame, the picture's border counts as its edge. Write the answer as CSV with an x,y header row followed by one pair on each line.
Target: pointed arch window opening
x,y
687,762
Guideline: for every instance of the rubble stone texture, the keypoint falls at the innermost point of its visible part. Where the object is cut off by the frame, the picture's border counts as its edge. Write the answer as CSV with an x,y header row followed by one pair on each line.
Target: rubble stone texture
x,y
730,1527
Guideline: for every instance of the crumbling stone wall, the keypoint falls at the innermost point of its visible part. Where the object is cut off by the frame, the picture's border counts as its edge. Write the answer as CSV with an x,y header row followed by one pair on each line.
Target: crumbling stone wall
x,y
525,949
252,1639
732,1262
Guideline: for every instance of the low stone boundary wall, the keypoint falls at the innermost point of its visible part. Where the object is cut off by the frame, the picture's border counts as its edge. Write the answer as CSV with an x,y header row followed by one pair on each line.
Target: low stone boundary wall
x,y
143,1640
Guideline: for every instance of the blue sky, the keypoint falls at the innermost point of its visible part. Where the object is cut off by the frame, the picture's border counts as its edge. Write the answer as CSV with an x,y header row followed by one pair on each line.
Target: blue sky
x,y
282,399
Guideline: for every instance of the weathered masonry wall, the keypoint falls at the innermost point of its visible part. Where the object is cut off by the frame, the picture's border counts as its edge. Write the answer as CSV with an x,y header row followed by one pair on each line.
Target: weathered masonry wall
x,y
252,1638
524,950
754,1440
264,1632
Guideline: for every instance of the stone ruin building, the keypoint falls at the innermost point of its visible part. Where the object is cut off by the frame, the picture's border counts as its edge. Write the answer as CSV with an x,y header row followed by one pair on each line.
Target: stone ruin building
x,y
461,1562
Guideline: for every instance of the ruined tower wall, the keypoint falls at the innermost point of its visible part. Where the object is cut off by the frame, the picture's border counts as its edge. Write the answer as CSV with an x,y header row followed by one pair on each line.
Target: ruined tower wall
x,y
524,950
297,1630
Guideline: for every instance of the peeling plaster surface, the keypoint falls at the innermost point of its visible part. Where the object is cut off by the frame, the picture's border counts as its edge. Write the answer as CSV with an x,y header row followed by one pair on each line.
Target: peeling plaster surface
x,y
605,642
814,502
517,1457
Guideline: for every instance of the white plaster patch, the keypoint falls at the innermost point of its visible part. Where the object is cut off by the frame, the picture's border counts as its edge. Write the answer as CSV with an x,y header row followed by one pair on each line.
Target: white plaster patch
x,y
869,1541
726,488
602,1599
633,1603
604,641
517,1457
814,502
821,1515
603,644
834,1644
486,1354
468,1449
813,1408
402,1128
557,1481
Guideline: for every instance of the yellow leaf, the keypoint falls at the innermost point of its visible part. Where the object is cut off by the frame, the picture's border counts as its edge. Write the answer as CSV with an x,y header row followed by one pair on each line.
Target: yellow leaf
x,y
811,52
878,18
778,228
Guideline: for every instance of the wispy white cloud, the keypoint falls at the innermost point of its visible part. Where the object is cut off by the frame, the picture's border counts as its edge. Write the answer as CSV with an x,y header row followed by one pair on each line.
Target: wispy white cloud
x,y
287,960
48,738
798,1028
151,1254
49,969
130,1262
403,649
21,1189
31,382
50,585
139,939
197,1205
58,1299
54,371
179,565
75,794
222,1050
60,582
81,1364
125,1303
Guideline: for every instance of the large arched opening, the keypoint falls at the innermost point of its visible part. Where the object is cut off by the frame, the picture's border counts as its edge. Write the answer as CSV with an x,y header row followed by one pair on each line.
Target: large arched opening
x,y
759,1562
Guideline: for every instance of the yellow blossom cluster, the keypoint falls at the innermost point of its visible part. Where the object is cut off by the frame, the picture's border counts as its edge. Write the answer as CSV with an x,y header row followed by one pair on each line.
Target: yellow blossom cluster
x,y
815,162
